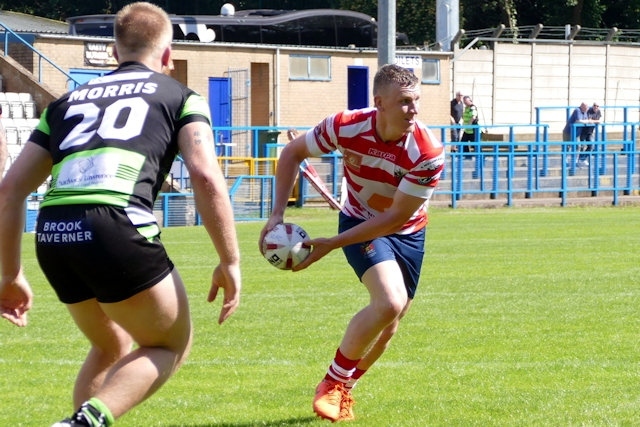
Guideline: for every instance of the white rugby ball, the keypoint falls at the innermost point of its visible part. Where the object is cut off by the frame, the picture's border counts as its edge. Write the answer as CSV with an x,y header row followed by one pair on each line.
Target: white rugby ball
x,y
283,246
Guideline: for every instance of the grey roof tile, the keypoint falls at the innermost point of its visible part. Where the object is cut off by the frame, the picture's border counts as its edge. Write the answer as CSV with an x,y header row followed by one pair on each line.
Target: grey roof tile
x,y
25,23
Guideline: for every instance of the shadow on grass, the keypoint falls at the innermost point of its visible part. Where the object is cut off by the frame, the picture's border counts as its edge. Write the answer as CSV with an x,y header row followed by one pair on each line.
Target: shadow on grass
x,y
287,422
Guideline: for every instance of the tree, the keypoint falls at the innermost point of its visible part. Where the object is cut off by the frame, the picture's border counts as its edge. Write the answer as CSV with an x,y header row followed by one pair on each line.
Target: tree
x,y
416,18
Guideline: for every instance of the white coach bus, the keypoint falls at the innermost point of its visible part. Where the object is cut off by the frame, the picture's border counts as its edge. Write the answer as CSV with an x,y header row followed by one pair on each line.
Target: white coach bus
x,y
313,27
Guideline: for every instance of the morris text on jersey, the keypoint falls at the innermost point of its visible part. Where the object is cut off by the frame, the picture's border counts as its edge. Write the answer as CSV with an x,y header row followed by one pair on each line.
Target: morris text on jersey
x,y
113,91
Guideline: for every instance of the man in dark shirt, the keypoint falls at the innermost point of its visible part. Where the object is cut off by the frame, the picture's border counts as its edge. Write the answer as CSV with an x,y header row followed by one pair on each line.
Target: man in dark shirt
x,y
594,115
457,107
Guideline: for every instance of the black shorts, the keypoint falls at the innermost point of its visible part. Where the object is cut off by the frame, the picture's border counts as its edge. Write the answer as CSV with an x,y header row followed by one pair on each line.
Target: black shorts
x,y
95,251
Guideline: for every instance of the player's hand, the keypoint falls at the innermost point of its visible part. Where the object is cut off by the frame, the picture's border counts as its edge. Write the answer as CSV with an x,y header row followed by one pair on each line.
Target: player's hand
x,y
319,248
271,223
226,277
16,299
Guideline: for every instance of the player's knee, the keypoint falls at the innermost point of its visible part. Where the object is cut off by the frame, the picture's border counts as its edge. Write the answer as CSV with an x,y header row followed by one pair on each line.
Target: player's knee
x,y
389,310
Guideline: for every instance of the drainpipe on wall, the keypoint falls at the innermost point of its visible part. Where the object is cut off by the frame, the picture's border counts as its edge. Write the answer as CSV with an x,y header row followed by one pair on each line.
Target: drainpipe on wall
x,y
276,89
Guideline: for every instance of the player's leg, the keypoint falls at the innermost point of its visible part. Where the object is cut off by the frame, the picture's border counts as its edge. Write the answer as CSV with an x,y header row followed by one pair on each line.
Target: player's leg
x,y
375,264
377,349
388,297
408,253
374,353
159,322
109,343
381,344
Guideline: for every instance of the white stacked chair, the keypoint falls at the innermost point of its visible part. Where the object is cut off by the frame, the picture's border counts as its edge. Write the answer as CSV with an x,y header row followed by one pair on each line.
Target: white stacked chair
x,y
12,96
15,105
11,131
7,121
13,145
28,105
6,108
24,130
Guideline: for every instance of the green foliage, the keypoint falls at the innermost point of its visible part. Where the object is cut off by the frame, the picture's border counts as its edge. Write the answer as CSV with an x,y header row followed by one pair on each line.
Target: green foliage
x,y
523,317
416,18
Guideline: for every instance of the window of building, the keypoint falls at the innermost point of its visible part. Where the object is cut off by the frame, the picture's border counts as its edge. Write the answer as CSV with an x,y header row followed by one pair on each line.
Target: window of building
x,y
431,71
309,67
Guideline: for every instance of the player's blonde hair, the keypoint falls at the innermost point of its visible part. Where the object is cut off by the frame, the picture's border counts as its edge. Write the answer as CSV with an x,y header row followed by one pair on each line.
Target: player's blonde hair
x,y
142,28
394,74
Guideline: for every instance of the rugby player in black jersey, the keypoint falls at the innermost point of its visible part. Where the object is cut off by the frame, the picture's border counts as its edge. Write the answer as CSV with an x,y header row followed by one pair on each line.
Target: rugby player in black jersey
x,y
108,146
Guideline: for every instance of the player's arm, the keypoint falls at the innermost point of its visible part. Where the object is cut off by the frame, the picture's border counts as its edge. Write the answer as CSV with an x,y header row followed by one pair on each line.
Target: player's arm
x,y
383,224
211,195
4,151
28,171
292,155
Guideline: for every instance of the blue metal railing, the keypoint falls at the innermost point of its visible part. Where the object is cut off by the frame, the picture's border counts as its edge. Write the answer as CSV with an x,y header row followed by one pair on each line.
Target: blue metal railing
x,y
548,169
10,35
510,168
519,161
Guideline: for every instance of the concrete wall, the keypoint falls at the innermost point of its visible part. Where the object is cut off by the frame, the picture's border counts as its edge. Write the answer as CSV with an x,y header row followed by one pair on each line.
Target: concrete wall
x,y
510,81
290,103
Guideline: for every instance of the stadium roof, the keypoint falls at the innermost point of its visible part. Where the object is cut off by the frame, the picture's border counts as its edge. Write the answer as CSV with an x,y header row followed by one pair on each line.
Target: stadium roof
x,y
25,23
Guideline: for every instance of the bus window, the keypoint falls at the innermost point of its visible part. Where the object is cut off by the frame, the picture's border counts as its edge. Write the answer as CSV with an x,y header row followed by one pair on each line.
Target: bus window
x,y
355,31
312,27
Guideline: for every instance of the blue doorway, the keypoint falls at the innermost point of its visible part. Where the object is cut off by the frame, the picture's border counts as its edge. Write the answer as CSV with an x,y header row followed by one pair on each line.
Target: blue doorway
x,y
358,87
220,106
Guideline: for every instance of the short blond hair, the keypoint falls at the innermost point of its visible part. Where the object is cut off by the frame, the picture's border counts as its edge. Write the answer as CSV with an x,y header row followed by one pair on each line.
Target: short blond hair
x,y
391,74
142,27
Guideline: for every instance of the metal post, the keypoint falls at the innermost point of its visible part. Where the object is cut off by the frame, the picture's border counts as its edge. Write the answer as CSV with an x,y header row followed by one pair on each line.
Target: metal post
x,y
386,32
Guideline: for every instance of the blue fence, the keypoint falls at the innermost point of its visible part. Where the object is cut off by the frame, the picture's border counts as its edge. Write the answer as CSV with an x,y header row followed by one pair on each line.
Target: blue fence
x,y
548,169
521,161
506,162
524,163
11,37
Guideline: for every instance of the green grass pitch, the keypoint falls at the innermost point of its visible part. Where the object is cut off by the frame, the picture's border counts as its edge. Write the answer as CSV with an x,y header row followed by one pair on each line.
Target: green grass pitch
x,y
523,317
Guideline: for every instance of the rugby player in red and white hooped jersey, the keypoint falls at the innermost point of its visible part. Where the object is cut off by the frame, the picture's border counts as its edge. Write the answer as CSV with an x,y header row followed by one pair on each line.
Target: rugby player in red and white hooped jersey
x,y
392,164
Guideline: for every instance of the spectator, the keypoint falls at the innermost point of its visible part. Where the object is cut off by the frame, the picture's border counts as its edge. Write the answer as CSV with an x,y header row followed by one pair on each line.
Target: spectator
x,y
392,166
470,122
594,116
579,115
457,108
97,240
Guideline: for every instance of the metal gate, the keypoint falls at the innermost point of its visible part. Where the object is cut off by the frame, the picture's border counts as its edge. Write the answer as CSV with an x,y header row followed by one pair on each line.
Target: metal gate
x,y
240,103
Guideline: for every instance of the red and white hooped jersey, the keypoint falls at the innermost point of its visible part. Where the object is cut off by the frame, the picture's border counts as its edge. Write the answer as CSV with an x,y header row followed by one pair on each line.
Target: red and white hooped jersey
x,y
374,169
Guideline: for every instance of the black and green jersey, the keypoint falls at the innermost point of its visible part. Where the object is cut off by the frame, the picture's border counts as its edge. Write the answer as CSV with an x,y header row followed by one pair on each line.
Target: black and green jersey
x,y
113,140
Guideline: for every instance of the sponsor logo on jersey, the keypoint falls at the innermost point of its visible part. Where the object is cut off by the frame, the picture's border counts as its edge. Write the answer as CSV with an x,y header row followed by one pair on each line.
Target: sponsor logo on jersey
x,y
63,232
352,160
432,163
374,152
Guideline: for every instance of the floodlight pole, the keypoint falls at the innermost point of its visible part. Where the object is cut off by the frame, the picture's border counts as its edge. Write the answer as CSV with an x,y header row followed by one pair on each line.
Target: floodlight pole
x,y
386,32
